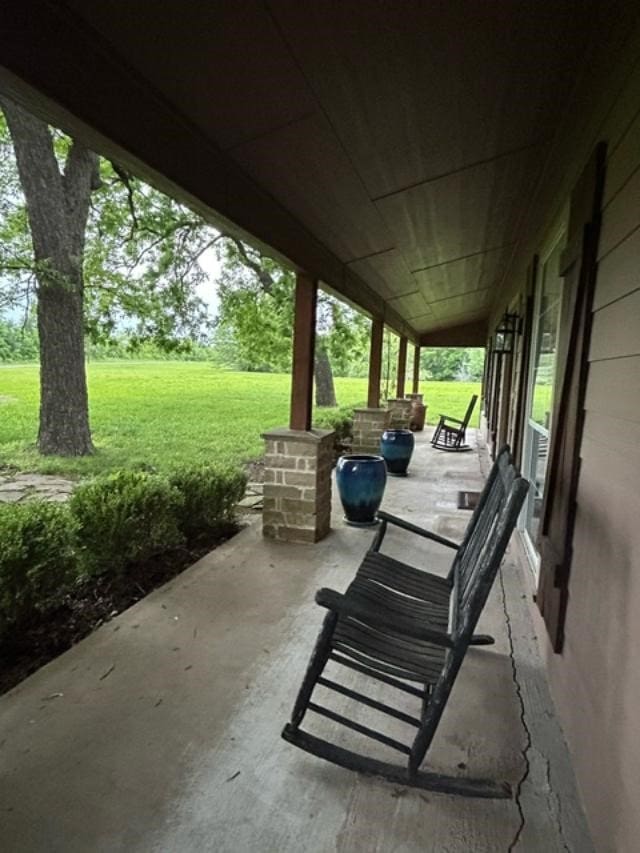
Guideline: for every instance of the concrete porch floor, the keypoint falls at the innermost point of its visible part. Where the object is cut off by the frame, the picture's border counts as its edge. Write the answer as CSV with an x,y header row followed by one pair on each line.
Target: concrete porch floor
x,y
161,731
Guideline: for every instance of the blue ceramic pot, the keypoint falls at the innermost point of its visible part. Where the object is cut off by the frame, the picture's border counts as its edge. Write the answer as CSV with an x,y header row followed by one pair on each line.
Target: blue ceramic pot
x,y
396,447
361,479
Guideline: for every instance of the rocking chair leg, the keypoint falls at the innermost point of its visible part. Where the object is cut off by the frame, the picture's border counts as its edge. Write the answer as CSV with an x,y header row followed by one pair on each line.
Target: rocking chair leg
x,y
317,663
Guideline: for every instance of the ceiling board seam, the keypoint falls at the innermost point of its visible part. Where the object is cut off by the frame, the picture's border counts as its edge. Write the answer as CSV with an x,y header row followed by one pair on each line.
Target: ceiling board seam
x,y
457,296
372,255
461,169
464,257
417,292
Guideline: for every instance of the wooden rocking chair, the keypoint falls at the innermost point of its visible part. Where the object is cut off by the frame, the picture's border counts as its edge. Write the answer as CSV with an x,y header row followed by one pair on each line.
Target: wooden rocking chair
x,y
450,434
392,629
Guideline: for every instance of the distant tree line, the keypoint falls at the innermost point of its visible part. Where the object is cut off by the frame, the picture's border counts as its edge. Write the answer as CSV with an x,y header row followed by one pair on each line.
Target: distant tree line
x,y
349,357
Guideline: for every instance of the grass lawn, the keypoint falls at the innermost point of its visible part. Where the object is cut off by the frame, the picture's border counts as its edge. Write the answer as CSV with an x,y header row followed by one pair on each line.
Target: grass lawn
x,y
166,413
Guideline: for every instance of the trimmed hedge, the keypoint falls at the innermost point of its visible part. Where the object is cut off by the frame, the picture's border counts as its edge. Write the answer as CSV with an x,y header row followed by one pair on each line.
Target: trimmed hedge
x,y
109,523
209,495
37,558
125,517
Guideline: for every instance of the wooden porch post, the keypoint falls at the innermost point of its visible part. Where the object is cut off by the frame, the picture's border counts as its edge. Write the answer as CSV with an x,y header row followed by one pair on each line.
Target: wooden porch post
x,y
304,334
375,363
402,367
416,369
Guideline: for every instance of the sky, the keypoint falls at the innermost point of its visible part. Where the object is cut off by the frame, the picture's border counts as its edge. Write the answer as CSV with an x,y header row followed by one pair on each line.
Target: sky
x,y
208,290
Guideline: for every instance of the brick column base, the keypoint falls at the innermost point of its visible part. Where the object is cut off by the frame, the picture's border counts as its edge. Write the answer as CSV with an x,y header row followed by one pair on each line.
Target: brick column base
x,y
368,426
297,484
399,413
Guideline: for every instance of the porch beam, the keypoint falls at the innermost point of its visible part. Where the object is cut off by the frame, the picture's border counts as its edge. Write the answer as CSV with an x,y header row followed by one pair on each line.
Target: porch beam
x,y
467,335
416,370
402,367
304,335
375,363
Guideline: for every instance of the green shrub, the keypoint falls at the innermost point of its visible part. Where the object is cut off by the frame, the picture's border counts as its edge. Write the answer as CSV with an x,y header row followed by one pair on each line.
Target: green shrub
x,y
210,495
339,420
123,518
37,558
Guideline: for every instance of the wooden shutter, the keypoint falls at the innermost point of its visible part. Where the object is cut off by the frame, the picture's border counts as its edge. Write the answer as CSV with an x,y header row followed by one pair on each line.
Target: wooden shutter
x,y
578,266
523,377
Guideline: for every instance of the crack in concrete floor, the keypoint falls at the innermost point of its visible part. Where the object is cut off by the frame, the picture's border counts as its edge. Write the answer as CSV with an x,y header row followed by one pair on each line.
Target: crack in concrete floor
x,y
529,751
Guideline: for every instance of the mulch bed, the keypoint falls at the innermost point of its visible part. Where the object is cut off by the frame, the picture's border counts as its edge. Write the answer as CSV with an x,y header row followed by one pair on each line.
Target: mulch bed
x,y
92,603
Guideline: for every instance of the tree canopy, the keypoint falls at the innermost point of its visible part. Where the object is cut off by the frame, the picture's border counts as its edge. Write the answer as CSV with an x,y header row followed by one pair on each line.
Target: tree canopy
x,y
142,253
256,315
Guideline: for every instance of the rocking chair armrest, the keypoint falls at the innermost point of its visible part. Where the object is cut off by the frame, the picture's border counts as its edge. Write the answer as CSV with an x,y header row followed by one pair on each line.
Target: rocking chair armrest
x,y
413,528
448,418
379,617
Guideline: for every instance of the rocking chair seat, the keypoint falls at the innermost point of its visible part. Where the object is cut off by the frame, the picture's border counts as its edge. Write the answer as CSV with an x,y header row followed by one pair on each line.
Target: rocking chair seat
x,y
405,606
387,650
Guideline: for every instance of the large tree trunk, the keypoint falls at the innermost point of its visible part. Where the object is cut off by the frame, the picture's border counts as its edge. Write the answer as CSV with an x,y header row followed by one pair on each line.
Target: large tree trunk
x,y
325,392
58,207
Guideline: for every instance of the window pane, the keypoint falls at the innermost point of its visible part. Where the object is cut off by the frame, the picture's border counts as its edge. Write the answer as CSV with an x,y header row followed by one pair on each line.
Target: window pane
x,y
546,343
543,370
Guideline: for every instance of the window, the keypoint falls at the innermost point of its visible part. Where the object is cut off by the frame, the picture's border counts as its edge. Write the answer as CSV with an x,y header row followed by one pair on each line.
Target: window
x,y
540,394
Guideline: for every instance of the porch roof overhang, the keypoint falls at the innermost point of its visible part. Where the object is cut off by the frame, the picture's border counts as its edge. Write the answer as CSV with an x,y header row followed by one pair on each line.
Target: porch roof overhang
x,y
389,150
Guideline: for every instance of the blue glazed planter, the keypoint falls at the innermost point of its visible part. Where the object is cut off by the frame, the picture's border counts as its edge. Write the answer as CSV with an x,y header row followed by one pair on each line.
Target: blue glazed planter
x,y
396,447
361,479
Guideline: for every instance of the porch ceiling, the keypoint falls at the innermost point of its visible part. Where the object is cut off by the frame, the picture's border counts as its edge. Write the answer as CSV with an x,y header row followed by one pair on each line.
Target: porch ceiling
x,y
389,148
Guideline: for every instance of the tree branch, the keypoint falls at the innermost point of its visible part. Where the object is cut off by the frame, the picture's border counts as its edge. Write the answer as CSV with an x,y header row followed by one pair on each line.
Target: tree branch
x,y
125,179
264,277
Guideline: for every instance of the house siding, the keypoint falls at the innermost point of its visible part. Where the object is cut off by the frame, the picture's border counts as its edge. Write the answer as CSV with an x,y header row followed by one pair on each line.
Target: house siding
x,y
595,681
602,630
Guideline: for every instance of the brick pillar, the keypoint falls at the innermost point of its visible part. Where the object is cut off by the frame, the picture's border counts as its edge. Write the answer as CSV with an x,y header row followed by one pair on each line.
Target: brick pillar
x,y
368,426
297,484
399,413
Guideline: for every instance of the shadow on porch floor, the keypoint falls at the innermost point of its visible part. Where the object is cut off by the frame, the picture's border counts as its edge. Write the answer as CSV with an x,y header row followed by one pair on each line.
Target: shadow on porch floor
x,y
162,730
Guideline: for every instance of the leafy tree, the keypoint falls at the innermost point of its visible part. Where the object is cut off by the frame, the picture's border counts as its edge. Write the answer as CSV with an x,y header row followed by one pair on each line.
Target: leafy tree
x,y
18,343
442,363
95,249
57,207
256,311
474,365
450,363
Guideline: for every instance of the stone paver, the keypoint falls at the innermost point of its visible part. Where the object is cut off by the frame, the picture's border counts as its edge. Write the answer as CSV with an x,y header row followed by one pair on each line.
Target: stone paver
x,y
16,488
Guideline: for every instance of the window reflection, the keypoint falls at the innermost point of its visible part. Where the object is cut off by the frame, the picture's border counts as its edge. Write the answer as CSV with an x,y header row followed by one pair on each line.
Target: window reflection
x,y
543,369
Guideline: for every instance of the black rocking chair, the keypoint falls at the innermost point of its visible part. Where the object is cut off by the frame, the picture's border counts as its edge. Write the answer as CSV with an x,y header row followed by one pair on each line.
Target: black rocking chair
x,y
393,630
450,434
